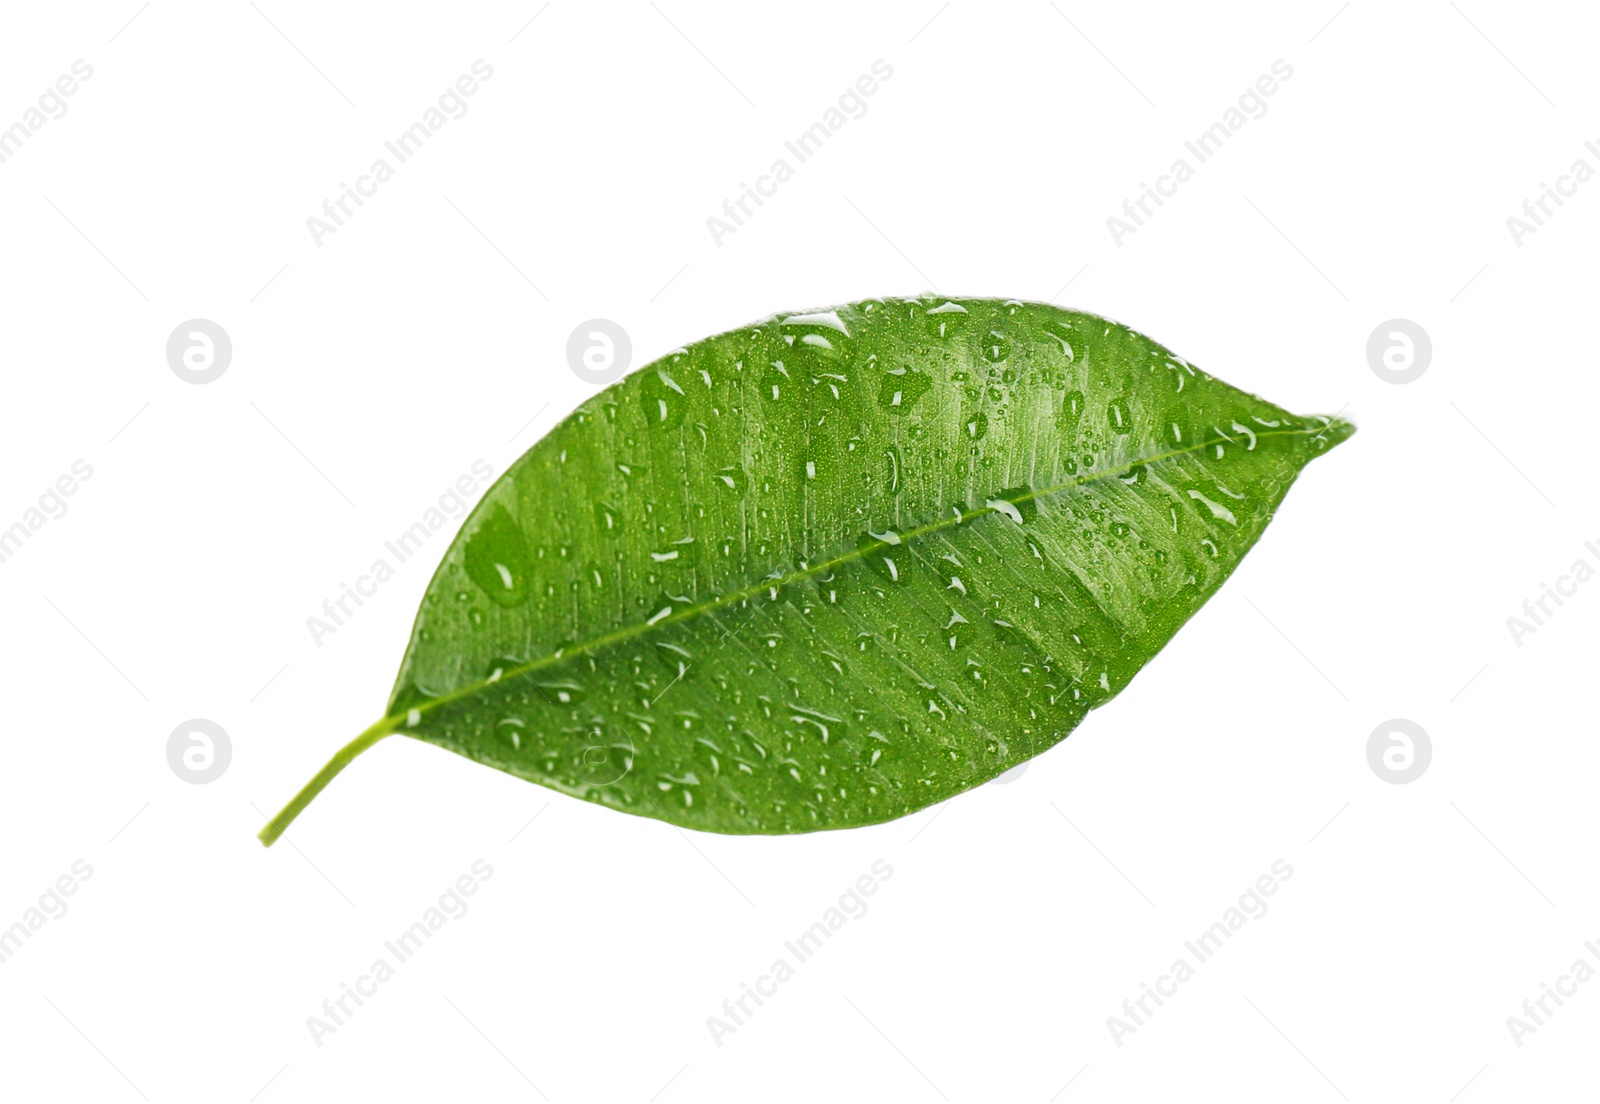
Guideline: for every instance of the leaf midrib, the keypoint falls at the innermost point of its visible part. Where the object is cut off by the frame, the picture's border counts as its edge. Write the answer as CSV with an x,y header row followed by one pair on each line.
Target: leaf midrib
x,y
394,722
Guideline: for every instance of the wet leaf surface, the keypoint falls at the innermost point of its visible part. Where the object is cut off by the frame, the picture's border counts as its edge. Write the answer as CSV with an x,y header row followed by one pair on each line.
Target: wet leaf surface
x,y
833,567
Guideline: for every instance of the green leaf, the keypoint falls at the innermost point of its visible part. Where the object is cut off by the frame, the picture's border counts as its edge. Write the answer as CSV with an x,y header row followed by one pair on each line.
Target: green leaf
x,y
834,567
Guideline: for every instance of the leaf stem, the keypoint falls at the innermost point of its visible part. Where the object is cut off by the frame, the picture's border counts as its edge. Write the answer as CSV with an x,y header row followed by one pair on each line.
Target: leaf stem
x,y
275,827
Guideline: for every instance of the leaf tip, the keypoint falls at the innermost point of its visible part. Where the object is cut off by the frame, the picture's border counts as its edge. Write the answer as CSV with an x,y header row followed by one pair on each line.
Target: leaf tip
x,y
1335,432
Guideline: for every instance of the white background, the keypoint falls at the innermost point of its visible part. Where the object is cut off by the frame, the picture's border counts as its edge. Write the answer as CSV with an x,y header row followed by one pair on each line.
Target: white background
x,y
371,370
